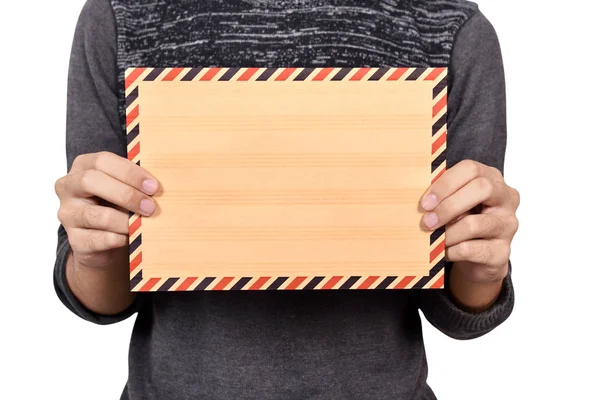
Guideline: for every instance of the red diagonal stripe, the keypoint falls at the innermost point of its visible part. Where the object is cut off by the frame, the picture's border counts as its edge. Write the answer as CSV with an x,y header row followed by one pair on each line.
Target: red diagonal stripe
x,y
438,176
133,115
434,74
210,74
135,150
322,74
260,282
248,74
186,284
285,74
132,77
150,284
332,282
223,283
360,74
397,74
295,283
135,225
173,74
368,282
440,104
404,282
437,251
438,143
439,283
133,264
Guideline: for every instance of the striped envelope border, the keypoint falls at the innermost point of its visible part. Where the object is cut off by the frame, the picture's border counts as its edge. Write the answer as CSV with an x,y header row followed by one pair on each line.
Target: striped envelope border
x,y
435,278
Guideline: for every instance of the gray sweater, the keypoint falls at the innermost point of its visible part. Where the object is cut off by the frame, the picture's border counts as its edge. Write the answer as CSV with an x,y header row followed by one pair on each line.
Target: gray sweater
x,y
286,345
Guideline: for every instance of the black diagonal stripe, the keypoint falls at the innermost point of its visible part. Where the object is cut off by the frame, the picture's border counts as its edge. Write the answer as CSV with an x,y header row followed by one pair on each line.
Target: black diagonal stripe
x,y
439,87
349,282
135,280
435,235
432,273
379,74
229,74
191,74
422,282
131,214
133,134
438,124
437,268
204,284
154,74
239,285
266,74
438,161
167,285
305,73
277,283
131,98
341,74
135,244
139,164
416,74
313,283
386,282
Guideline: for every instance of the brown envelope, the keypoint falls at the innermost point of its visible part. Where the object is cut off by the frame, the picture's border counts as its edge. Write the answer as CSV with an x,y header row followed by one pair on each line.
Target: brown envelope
x,y
286,179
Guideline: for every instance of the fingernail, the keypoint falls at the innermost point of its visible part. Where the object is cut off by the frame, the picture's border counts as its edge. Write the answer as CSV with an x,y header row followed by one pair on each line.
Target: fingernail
x,y
147,206
150,186
430,202
431,220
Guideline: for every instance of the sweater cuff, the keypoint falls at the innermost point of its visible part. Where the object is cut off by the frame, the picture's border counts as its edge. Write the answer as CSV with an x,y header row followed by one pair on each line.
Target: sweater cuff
x,y
446,315
68,298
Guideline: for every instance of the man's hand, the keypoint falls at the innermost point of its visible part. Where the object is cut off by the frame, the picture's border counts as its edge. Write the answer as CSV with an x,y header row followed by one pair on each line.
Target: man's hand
x,y
478,209
95,198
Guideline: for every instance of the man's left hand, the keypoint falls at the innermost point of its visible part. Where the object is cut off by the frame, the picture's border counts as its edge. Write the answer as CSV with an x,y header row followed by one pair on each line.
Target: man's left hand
x,y
479,211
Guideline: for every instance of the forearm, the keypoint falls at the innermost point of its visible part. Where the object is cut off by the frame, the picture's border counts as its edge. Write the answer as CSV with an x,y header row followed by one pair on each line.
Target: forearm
x,y
103,290
473,296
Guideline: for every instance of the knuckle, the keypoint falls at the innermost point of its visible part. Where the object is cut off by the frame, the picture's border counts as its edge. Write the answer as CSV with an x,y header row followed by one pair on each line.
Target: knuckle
x,y
473,167
473,225
101,160
87,180
485,186
129,197
493,226
512,224
464,250
59,186
92,243
79,160
90,217
517,197
483,254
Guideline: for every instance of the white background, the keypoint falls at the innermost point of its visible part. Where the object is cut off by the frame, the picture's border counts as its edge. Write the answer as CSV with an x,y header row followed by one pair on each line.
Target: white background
x,y
548,349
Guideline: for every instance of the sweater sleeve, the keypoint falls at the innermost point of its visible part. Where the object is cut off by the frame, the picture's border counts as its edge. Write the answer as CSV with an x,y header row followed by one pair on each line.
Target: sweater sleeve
x,y
93,121
476,131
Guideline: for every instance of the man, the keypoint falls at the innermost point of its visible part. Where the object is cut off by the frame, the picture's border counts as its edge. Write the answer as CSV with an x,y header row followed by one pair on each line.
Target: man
x,y
275,345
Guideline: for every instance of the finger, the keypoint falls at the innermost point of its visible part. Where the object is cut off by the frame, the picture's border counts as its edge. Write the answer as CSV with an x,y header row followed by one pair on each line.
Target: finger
x,y
90,216
481,226
93,182
90,241
481,190
454,179
119,168
493,253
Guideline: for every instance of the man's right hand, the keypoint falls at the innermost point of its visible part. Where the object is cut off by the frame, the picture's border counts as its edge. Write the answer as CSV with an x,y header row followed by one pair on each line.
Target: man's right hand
x,y
95,198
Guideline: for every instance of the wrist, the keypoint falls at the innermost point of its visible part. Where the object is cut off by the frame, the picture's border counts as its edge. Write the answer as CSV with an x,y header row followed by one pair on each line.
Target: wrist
x,y
473,296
